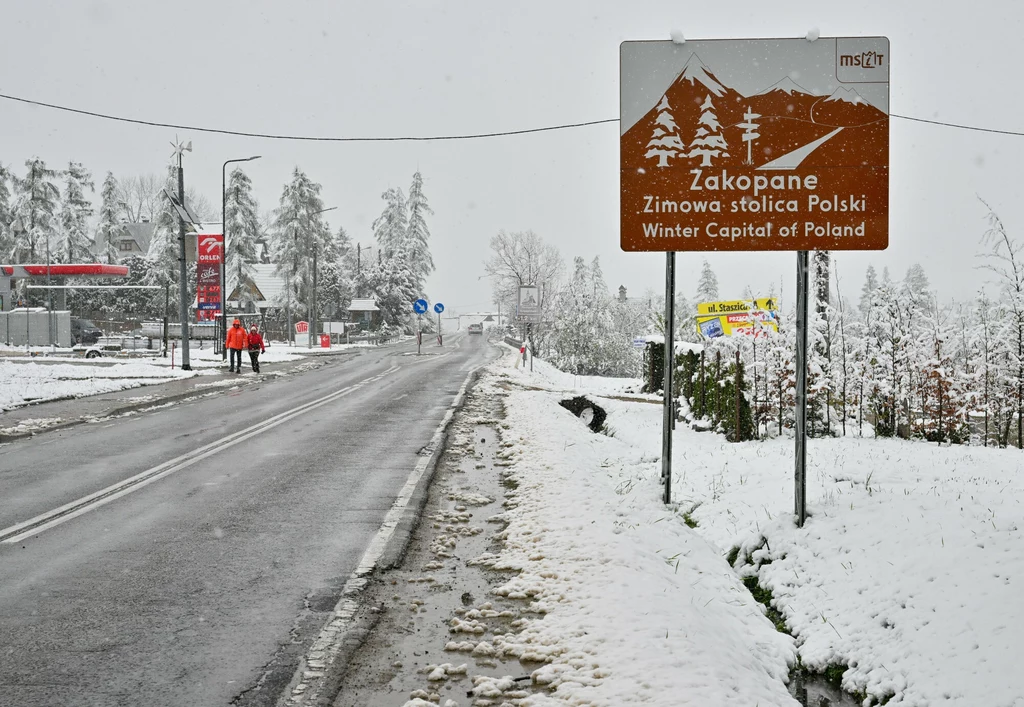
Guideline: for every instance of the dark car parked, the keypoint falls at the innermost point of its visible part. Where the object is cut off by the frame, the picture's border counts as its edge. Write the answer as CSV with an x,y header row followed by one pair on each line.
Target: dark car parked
x,y
84,332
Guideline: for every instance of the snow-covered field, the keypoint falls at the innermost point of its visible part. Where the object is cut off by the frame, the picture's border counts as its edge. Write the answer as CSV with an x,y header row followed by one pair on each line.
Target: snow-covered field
x,y
23,383
905,571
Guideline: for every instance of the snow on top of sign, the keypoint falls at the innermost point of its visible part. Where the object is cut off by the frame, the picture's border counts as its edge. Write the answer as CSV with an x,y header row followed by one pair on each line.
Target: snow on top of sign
x,y
696,71
787,86
812,34
677,36
846,95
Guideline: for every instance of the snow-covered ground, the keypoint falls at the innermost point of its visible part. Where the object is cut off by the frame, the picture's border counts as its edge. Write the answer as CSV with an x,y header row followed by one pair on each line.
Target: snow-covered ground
x,y
23,383
905,571
638,608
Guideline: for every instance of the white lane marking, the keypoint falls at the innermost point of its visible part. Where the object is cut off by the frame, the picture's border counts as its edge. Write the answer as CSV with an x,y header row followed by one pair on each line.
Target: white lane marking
x,y
45,521
308,683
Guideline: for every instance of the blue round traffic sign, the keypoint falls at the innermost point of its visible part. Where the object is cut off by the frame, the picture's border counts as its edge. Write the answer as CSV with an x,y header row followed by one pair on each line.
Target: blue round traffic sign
x,y
419,306
438,307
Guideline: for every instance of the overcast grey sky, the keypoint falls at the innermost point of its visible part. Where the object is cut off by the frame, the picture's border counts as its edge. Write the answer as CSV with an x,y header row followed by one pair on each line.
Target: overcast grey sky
x,y
368,69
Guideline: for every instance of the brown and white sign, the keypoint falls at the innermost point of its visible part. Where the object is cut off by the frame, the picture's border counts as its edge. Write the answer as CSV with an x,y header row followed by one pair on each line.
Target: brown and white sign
x,y
755,144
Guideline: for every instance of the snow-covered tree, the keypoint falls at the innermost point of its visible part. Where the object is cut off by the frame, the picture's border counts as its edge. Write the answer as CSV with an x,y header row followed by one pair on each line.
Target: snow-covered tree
x,y
665,142
164,248
708,141
1006,261
396,280
298,230
109,219
523,258
74,243
6,236
242,230
391,228
418,233
707,284
35,210
867,291
394,287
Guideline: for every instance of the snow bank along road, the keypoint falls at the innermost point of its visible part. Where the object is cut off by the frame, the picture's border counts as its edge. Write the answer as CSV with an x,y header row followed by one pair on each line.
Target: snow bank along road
x,y
180,556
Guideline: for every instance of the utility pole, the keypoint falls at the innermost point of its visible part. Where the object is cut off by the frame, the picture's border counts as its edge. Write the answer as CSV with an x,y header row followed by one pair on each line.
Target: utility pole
x,y
312,305
182,265
288,294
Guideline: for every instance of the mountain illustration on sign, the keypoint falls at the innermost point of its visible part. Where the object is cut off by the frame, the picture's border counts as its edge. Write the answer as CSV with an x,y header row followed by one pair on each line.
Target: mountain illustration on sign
x,y
701,122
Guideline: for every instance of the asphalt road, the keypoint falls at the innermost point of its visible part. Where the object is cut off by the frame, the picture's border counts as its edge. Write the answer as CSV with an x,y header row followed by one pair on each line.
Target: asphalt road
x,y
181,591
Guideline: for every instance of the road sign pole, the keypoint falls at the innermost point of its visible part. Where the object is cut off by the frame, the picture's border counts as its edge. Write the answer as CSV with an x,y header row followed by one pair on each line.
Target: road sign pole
x,y
419,334
801,387
439,343
668,410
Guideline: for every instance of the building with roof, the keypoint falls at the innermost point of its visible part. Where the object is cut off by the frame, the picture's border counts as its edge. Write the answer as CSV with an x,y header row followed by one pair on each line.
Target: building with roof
x,y
364,312
266,287
129,240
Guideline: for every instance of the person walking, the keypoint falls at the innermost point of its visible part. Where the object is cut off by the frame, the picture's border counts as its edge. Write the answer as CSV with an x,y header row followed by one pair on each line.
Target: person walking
x,y
256,347
237,340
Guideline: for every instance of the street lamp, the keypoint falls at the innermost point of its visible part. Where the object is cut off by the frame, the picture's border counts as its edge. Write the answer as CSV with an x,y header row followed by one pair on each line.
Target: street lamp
x,y
224,250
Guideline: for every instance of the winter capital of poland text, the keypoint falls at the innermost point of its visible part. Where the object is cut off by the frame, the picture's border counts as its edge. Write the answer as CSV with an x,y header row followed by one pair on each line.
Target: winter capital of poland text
x,y
760,194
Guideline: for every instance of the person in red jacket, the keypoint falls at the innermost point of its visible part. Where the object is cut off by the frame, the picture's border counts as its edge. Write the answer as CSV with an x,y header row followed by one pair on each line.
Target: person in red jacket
x,y
256,347
235,343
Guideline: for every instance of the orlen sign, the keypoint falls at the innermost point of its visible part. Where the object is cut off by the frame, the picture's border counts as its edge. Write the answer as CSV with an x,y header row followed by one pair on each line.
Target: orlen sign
x,y
210,248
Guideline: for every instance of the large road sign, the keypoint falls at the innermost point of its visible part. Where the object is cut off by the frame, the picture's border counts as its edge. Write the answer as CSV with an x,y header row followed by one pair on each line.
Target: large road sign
x,y
419,306
755,144
528,305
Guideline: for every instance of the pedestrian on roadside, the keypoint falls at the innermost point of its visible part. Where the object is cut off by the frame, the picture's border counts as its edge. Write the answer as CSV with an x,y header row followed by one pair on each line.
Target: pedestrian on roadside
x,y
256,347
237,340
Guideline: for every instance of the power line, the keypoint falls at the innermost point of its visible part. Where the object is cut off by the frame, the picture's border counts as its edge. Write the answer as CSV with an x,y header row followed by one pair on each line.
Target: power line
x,y
957,125
308,138
414,138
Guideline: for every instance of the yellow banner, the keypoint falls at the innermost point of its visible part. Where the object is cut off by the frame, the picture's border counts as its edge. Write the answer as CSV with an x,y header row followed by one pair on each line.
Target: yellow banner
x,y
737,317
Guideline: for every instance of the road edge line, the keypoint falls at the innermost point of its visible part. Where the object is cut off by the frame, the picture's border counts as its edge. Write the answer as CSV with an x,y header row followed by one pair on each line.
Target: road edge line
x,y
317,679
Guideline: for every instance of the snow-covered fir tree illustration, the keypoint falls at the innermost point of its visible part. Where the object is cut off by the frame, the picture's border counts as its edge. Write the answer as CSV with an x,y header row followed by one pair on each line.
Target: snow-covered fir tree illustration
x,y
698,117
708,142
665,142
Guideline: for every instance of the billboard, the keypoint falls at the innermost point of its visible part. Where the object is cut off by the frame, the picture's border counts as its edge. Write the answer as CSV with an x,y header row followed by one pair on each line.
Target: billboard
x,y
737,317
754,144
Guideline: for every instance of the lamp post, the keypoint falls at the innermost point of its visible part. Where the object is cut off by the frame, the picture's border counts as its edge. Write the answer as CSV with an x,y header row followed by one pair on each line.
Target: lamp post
x,y
224,250
312,308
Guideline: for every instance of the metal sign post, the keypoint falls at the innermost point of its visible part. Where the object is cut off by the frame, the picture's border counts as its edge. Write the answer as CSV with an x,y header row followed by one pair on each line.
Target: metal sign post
x,y
438,307
419,306
801,386
669,409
